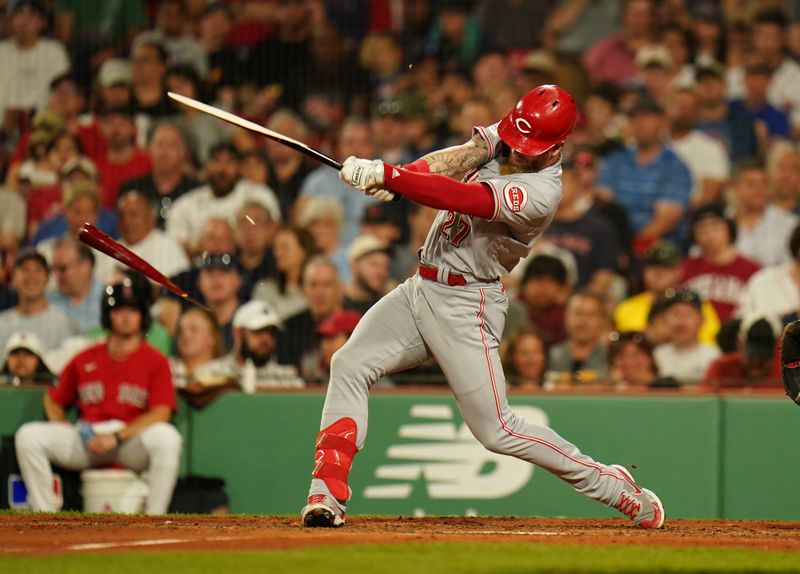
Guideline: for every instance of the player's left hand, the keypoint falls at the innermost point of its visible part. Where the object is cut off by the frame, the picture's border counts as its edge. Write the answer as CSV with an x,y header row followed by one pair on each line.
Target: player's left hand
x,y
363,174
383,195
101,444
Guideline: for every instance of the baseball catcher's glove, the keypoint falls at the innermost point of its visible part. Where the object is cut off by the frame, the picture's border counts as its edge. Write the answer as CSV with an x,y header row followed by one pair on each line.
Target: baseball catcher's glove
x,y
790,360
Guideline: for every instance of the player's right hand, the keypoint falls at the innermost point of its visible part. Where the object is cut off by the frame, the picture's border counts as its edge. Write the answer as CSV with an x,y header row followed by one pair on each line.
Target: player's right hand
x,y
363,174
383,195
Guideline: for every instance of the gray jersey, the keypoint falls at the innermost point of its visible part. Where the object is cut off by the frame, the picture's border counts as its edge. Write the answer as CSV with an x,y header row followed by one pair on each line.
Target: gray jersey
x,y
525,204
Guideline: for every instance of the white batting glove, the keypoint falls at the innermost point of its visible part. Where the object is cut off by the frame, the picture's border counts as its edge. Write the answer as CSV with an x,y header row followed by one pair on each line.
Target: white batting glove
x,y
383,195
363,174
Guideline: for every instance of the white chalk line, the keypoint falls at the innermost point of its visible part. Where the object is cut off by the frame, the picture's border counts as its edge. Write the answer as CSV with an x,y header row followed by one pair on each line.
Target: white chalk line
x,y
154,542
491,532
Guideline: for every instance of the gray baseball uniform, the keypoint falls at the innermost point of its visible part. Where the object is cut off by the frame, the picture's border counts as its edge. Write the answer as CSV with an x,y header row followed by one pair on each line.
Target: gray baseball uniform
x,y
458,318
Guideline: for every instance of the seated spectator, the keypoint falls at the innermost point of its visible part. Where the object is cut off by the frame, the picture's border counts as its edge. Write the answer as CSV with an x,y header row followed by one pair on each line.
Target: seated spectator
x,y
774,291
198,341
205,131
323,291
255,233
224,65
24,364
648,179
137,214
333,333
456,39
219,282
783,166
718,274
380,220
524,355
369,271
323,218
171,31
78,291
286,168
543,290
124,160
149,70
222,196
662,270
124,396
601,132
582,358
756,363
33,313
354,138
631,362
683,357
171,154
292,248
12,222
254,360
706,157
763,229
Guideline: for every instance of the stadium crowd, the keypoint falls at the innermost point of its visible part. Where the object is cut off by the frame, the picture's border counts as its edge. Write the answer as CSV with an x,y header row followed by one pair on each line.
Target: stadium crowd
x,y
673,261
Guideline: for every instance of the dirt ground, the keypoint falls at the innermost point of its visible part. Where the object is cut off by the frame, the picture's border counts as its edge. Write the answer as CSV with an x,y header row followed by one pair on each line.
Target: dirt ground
x,y
33,535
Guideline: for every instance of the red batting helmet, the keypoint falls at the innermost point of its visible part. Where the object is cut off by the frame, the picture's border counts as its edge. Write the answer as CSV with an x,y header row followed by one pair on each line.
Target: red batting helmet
x,y
542,118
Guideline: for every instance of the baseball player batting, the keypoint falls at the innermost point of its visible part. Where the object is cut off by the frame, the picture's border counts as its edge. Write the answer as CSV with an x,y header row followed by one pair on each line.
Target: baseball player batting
x,y
496,194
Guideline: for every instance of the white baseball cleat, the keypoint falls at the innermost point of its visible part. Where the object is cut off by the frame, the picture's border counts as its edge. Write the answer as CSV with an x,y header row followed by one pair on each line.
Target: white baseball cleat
x,y
637,503
322,511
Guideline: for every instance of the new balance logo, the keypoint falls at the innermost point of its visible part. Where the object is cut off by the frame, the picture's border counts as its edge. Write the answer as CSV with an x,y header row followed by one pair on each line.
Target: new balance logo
x,y
450,461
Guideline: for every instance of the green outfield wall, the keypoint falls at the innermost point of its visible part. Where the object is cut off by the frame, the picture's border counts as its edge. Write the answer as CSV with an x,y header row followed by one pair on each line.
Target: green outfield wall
x,y
707,456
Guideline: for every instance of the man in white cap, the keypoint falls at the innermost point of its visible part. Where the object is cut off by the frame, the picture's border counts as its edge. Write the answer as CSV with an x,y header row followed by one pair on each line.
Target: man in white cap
x,y
253,360
370,259
24,362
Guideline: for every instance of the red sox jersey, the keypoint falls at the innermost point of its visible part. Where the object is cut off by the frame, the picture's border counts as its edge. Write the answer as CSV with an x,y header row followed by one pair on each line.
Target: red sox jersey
x,y
721,285
524,205
106,388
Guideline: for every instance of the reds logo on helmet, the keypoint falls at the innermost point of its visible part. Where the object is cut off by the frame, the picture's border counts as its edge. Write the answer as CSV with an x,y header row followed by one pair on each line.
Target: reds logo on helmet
x,y
515,196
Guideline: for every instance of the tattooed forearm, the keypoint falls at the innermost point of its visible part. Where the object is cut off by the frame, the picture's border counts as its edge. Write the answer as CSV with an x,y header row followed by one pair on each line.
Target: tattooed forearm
x,y
456,161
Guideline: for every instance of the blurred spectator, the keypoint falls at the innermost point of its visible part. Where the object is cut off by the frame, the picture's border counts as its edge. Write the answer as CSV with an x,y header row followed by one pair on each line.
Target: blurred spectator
x,y
124,160
763,229
283,59
254,359
123,390
323,218
456,38
654,65
149,71
525,359
137,214
755,364
291,248
203,132
405,258
254,233
78,291
706,158
222,196
717,273
388,124
538,67
219,282
380,221
684,357
369,269
631,362
114,89
476,111
648,179
198,343
490,74
512,24
171,32
612,59
382,56
783,167
170,153
225,67
585,234
31,60
774,290
769,122
709,34
662,271
12,221
354,138
333,333
24,364
323,291
81,204
33,313
287,169
602,127
582,358
574,25
543,291
679,42
730,125
87,27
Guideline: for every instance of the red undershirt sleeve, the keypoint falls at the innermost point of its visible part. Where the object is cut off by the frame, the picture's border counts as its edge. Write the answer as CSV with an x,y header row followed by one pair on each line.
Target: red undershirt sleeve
x,y
440,192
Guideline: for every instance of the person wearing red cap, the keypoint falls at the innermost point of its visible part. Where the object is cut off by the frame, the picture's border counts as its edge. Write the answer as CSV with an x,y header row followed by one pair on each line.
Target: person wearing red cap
x,y
496,194
333,334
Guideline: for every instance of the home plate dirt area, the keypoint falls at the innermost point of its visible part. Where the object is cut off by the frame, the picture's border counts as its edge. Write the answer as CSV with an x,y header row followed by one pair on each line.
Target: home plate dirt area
x,y
29,534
